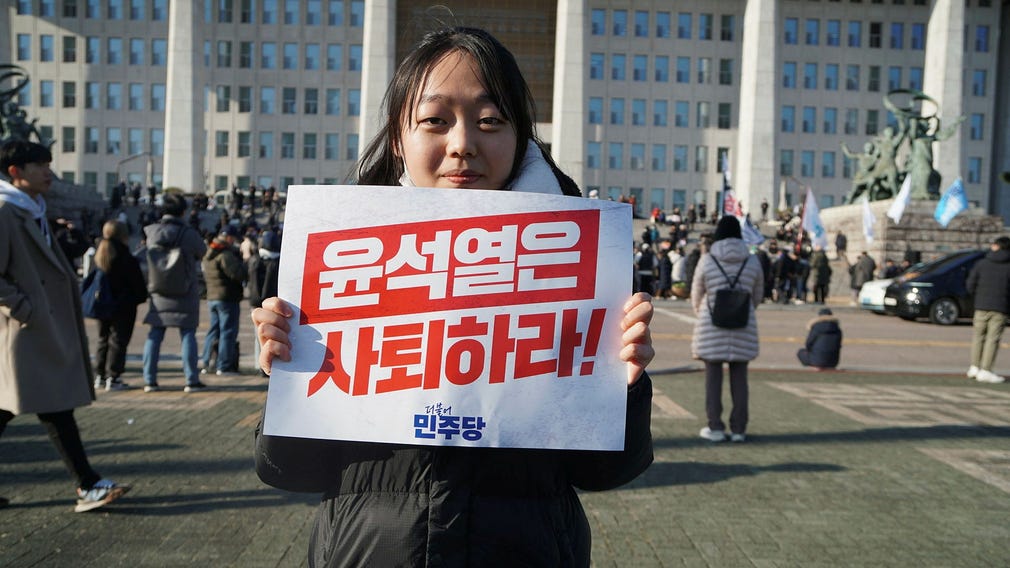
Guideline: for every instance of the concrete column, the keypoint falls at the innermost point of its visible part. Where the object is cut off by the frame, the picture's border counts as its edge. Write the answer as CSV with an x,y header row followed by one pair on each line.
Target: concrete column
x,y
567,135
183,165
755,160
943,79
379,54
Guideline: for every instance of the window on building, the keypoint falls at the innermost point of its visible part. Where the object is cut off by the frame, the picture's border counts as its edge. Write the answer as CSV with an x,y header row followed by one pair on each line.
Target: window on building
x,y
92,9
24,47
662,73
978,82
68,140
701,159
114,96
982,39
727,27
244,98
851,121
660,110
872,117
287,145
69,8
157,141
875,34
833,33
92,49
266,144
69,49
893,78
159,52
789,75
618,63
352,147
705,26
135,100
593,155
788,118
809,75
268,98
357,20
311,56
638,112
245,54
90,140
683,69
977,125
831,76
290,57
268,55
113,141
47,49
291,12
206,53
24,7
289,100
640,68
637,157
617,110
725,71
918,37
136,10
354,57
680,117
828,164
704,70
333,102
69,94
309,143
659,157
855,34
786,162
335,13
158,97
224,54
222,95
615,155
702,114
791,31
873,81
115,11
897,35
353,102
662,24
809,119
114,53
684,23
852,77
224,11
269,13
595,65
92,95
830,120
311,101
221,143
334,55
724,115
641,23
680,158
812,31
331,146
915,78
974,170
598,22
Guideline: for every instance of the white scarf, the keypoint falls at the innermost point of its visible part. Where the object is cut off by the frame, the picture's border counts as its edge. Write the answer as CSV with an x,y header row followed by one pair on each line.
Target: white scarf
x,y
21,200
535,175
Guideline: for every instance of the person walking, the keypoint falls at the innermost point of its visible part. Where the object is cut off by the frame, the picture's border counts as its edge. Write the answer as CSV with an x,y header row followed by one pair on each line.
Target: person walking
x,y
181,311
126,281
45,368
989,284
820,274
716,345
225,274
860,273
823,346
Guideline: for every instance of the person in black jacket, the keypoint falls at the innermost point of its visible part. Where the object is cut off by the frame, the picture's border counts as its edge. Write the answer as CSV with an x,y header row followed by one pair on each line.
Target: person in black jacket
x,y
457,104
989,283
263,269
129,289
824,342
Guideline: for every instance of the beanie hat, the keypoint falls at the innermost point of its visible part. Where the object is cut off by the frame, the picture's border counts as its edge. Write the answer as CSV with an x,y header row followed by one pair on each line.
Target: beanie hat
x,y
728,228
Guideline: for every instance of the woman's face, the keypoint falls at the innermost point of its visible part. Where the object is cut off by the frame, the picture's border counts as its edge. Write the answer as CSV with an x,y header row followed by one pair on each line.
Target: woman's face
x,y
456,137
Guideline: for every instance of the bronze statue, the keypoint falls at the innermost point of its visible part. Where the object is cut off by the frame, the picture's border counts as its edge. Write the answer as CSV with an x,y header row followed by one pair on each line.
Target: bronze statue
x,y
14,123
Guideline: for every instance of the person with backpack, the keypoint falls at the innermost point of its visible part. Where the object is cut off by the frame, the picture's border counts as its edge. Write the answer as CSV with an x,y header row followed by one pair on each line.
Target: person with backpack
x,y
173,251
225,274
727,266
127,289
45,368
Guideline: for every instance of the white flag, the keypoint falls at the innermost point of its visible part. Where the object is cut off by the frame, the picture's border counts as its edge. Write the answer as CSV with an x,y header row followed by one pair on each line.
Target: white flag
x,y
868,220
898,207
812,221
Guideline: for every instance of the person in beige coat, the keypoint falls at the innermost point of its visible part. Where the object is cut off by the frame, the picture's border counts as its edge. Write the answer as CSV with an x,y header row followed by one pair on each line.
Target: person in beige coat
x,y
715,345
44,367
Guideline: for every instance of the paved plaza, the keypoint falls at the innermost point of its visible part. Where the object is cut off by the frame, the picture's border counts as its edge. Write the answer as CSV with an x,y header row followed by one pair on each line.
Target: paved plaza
x,y
861,467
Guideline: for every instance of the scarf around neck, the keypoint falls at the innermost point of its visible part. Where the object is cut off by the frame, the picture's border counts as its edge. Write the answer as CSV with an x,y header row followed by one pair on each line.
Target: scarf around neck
x,y
35,206
535,175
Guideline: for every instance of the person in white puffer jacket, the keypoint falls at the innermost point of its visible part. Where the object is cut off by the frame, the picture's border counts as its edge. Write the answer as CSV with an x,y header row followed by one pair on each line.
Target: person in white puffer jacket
x,y
715,345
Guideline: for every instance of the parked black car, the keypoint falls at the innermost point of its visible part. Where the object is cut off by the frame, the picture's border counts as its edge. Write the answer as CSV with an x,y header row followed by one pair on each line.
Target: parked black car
x,y
936,290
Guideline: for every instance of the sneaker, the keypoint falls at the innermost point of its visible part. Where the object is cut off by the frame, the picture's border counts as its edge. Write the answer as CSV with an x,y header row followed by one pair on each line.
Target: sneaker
x,y
712,435
195,387
738,438
99,382
985,376
114,384
204,371
152,388
228,373
104,492
972,372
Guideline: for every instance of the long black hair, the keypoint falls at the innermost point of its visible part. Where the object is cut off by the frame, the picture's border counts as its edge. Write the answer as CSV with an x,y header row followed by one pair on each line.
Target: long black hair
x,y
498,71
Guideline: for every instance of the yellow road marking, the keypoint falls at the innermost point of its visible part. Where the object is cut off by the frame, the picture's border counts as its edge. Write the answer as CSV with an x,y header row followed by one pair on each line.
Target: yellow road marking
x,y
848,341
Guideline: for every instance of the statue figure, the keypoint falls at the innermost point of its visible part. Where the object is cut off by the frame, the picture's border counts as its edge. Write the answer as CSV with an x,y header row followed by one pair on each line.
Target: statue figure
x,y
14,123
925,181
878,174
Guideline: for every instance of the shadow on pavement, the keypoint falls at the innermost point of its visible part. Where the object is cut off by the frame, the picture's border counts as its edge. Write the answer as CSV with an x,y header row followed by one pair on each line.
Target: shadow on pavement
x,y
662,474
891,434
135,503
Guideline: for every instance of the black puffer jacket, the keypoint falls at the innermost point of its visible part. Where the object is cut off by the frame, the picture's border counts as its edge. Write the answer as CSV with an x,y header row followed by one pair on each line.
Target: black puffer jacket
x,y
824,342
397,505
989,282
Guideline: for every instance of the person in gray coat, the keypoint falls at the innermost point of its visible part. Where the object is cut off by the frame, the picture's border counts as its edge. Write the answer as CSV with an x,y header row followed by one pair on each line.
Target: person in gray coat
x,y
182,311
44,364
715,345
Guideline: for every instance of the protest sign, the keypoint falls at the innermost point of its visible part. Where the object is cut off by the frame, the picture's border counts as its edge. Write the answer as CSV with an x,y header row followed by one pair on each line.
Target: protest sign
x,y
453,317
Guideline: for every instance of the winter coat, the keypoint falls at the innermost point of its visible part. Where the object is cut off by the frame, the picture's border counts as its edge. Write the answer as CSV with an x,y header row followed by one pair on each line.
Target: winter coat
x,y
44,362
263,269
224,272
989,282
399,505
182,311
126,281
824,342
711,343
862,271
820,268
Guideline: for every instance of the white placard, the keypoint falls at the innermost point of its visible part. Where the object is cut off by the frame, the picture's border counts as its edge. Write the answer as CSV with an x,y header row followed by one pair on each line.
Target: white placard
x,y
453,317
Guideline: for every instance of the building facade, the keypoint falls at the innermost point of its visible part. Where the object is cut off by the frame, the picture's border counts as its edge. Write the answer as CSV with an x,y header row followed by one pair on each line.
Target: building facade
x,y
652,98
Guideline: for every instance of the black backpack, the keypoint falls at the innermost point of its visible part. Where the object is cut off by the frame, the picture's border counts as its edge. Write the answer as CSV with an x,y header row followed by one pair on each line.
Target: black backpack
x,y
168,269
731,309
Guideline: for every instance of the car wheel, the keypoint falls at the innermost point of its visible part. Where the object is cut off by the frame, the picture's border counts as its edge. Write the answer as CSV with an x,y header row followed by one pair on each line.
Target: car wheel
x,y
944,311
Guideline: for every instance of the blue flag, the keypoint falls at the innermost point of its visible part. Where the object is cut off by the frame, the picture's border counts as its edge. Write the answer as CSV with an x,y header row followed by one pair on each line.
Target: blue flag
x,y
951,203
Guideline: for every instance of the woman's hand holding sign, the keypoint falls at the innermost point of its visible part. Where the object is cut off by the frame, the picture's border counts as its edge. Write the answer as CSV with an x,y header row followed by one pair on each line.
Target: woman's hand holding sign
x,y
272,330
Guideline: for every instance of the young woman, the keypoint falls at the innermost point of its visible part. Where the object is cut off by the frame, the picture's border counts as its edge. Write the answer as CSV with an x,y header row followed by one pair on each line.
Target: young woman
x,y
128,287
727,257
458,115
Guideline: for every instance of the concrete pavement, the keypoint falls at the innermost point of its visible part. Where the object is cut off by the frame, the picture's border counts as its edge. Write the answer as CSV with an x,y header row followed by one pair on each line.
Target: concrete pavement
x,y
849,468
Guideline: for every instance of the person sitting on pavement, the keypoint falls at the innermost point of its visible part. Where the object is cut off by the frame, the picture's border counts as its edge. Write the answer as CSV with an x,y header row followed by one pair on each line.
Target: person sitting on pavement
x,y
824,342
225,275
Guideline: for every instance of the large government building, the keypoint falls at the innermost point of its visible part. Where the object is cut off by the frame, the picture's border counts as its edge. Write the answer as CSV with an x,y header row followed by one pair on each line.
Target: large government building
x,y
648,99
